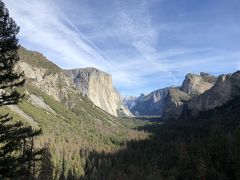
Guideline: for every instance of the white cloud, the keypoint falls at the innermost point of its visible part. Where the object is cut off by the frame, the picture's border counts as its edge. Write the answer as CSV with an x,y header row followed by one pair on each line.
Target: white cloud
x,y
43,25
136,58
136,28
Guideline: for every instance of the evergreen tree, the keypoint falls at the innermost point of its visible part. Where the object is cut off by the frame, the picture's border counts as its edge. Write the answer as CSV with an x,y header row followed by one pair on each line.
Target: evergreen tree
x,y
17,152
46,171
62,175
9,79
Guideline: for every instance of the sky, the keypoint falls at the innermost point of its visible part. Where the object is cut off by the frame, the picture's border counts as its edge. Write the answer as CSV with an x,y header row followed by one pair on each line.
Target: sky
x,y
144,44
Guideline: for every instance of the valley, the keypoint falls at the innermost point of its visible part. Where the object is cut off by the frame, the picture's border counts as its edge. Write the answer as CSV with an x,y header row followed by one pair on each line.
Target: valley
x,y
70,121
89,141
70,110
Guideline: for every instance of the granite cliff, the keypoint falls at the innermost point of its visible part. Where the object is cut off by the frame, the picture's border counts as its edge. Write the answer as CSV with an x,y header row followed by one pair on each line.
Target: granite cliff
x,y
67,86
225,89
98,86
192,86
195,84
151,104
204,96
69,120
196,94
169,102
45,75
129,101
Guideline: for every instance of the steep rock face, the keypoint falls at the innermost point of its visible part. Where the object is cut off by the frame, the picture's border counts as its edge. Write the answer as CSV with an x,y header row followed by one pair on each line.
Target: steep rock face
x,y
70,122
151,104
45,75
174,103
66,86
168,102
194,84
225,88
97,85
129,101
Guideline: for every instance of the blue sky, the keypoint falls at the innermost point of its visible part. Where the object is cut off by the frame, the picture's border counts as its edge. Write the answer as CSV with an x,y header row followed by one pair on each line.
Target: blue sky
x,y
145,44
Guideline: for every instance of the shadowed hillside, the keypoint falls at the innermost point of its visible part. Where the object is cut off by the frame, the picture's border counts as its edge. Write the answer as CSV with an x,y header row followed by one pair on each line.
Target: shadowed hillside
x,y
69,120
202,148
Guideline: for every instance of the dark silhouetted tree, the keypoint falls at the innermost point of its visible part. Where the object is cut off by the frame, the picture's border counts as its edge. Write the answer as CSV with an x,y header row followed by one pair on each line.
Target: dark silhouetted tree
x,y
17,151
46,171
62,175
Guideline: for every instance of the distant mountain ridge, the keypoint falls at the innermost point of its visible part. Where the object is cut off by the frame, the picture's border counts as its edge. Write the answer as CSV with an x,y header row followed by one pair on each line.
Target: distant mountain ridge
x,y
197,93
168,102
150,104
69,120
95,84
129,101
192,86
226,88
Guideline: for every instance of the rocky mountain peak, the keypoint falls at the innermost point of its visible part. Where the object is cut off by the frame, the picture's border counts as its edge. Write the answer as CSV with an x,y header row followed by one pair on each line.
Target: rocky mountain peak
x,y
169,102
208,77
225,88
98,86
89,70
44,74
150,104
94,83
129,101
195,84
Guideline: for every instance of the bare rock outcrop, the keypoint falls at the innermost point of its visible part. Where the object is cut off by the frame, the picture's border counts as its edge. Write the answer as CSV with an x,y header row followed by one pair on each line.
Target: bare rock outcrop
x,y
129,101
151,104
174,103
64,86
169,102
45,75
195,84
192,86
98,86
225,88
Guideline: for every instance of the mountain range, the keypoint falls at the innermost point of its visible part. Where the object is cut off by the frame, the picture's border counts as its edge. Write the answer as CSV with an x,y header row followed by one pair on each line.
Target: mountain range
x,y
198,92
79,110
72,117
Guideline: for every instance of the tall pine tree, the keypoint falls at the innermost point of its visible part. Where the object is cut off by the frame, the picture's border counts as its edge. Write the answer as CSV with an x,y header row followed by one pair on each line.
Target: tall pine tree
x,y
17,152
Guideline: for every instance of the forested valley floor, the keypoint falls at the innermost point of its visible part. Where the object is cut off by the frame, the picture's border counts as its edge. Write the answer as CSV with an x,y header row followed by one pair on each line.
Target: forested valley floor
x,y
204,148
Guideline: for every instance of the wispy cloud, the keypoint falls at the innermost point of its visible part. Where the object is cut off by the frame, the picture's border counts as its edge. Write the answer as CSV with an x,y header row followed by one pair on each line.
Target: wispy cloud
x,y
136,26
144,49
136,29
43,25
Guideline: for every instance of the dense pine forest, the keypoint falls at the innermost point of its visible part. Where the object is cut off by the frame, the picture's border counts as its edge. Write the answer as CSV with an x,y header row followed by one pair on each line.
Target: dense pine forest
x,y
70,138
204,148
